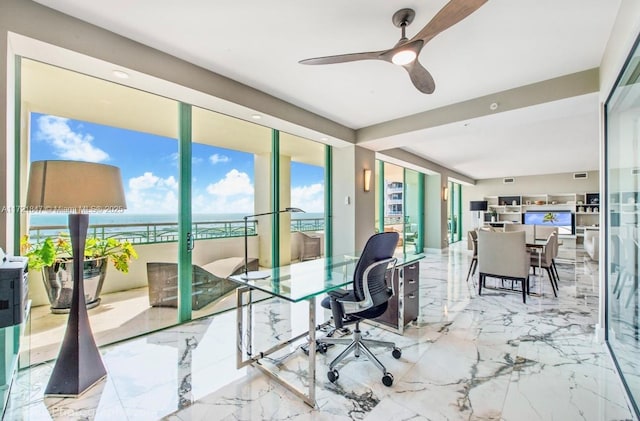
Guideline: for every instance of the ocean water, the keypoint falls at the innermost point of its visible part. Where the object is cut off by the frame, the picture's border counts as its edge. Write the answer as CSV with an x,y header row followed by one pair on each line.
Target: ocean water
x,y
46,219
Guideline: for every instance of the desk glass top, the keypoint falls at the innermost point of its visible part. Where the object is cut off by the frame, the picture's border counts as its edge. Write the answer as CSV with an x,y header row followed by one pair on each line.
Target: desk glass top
x,y
301,281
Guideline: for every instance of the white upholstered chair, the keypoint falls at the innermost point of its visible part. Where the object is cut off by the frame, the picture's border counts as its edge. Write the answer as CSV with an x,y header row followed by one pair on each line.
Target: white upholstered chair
x,y
591,243
472,244
503,255
542,232
528,230
545,260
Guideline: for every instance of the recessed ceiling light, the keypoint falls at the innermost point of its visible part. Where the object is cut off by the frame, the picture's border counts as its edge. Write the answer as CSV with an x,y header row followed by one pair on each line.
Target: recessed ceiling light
x,y
256,116
324,139
120,74
493,106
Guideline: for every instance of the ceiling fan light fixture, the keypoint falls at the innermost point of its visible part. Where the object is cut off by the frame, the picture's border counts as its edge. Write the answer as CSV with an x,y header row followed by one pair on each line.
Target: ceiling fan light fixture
x,y
403,57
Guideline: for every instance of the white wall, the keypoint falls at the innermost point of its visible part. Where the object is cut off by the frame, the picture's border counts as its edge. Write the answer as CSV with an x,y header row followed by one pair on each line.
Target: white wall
x,y
353,213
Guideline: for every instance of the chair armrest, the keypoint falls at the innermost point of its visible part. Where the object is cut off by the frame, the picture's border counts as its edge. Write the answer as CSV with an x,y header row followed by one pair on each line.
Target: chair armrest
x,y
338,293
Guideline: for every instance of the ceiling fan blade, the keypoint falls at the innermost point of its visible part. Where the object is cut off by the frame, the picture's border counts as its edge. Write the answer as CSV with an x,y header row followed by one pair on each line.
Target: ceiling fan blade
x,y
343,58
452,13
421,78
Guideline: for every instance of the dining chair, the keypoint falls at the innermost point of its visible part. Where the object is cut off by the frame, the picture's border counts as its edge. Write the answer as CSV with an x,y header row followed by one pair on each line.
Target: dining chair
x,y
556,246
544,260
472,243
528,230
542,232
503,255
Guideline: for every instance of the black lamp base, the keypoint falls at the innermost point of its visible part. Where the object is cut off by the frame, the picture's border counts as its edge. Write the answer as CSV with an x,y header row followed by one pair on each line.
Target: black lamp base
x,y
79,364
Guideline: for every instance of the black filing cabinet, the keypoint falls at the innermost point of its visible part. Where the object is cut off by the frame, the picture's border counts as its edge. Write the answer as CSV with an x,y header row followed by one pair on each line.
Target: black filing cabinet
x,y
14,289
13,313
404,305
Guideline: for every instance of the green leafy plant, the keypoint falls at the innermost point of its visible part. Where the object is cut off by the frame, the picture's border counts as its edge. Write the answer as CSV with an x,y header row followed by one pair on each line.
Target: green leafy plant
x,y
494,212
47,252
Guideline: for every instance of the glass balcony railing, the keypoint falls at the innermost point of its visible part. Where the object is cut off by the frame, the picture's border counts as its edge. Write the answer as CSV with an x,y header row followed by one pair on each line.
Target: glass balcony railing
x,y
167,232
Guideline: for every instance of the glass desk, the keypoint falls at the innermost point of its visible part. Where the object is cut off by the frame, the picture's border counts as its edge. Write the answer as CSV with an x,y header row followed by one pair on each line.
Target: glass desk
x,y
295,283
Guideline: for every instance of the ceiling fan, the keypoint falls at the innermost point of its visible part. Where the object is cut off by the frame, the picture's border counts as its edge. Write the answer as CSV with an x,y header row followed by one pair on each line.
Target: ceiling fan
x,y
406,51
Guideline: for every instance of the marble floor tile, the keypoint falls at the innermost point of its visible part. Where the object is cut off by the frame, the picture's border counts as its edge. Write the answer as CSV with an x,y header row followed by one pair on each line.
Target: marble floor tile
x,y
466,357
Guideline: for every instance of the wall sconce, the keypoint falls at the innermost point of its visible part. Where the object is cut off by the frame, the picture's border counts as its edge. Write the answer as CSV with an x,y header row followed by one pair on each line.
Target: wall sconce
x,y
367,180
445,193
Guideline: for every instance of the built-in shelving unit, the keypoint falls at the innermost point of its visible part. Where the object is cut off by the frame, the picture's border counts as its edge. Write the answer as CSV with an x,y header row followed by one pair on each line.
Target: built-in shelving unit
x,y
584,206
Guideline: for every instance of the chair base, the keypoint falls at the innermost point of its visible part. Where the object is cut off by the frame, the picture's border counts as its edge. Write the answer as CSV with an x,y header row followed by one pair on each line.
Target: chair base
x,y
358,346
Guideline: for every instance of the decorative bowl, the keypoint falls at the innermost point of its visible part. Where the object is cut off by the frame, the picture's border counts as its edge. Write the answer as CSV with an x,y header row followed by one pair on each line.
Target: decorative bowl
x,y
539,202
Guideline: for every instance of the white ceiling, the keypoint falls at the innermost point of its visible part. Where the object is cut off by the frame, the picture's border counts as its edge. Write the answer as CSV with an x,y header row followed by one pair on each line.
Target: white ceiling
x,y
504,45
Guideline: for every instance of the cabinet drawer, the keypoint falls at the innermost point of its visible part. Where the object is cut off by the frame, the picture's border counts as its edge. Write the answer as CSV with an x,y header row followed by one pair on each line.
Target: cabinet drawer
x,y
411,306
411,278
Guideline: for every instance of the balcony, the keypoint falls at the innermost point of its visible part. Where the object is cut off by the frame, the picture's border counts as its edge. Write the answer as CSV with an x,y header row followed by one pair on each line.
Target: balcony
x,y
124,310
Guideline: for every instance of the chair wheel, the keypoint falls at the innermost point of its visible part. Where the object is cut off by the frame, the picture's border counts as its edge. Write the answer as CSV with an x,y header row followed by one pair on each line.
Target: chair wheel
x,y
387,379
322,348
333,375
397,353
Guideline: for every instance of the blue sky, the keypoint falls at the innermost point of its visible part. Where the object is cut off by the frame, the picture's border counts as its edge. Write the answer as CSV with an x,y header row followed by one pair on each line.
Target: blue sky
x,y
223,179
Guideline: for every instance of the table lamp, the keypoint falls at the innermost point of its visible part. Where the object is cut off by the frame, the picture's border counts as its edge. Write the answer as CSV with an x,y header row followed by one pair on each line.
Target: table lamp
x,y
257,274
76,188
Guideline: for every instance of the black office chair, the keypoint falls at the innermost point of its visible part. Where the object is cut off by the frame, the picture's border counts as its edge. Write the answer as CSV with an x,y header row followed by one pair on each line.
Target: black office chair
x,y
367,299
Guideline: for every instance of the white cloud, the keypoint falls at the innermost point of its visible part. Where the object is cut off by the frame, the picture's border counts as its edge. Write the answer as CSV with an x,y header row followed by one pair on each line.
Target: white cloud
x,y
232,194
146,181
205,203
233,184
66,143
170,183
217,158
308,198
149,193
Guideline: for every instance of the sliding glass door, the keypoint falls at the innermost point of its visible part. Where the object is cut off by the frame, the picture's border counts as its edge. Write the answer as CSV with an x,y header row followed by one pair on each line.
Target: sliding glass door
x,y
304,162
400,204
230,179
454,212
75,117
622,224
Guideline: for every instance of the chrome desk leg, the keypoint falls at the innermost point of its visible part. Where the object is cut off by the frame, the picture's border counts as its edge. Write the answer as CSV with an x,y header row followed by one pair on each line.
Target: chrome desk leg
x,y
244,346
312,351
243,343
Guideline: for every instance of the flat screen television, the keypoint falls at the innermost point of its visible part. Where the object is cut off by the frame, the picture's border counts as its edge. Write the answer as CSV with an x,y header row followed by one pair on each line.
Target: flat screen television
x,y
564,220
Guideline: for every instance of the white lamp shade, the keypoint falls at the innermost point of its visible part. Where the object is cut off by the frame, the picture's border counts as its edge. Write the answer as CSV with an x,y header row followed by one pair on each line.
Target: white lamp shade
x,y
74,184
